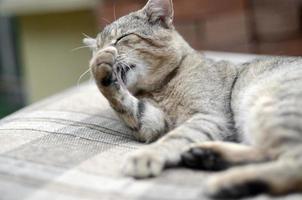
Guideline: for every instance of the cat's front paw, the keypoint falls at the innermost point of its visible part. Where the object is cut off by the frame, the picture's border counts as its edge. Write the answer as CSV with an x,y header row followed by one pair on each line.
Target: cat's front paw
x,y
144,164
102,66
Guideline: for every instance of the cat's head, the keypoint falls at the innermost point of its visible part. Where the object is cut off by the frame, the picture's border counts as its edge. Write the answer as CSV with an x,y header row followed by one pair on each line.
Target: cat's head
x,y
145,45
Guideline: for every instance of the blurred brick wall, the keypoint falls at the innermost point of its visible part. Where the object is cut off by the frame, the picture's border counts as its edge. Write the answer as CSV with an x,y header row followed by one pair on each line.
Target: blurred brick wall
x,y
251,26
277,26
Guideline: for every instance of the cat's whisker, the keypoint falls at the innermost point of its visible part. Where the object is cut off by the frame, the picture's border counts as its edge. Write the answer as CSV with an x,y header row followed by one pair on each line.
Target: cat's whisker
x,y
86,36
78,48
106,20
121,56
127,65
122,59
80,78
114,10
119,79
124,64
126,54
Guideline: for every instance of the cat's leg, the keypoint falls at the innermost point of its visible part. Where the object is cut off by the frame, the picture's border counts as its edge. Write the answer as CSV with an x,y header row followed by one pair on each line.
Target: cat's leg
x,y
167,151
219,155
147,120
276,178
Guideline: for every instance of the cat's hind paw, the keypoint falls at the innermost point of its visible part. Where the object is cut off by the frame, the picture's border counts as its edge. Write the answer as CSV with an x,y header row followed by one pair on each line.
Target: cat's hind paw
x,y
228,187
203,158
143,164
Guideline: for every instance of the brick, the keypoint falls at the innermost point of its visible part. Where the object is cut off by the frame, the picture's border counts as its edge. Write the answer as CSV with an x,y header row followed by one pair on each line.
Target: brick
x,y
107,9
227,29
223,25
200,9
277,19
292,47
192,33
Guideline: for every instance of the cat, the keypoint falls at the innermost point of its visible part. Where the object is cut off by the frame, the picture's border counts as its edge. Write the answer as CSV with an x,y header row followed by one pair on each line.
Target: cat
x,y
201,113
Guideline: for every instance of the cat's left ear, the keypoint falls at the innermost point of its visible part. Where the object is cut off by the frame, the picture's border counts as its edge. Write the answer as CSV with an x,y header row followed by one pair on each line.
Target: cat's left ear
x,y
160,10
91,43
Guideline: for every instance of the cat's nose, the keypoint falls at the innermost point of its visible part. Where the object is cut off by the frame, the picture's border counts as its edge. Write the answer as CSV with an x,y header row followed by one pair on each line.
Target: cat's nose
x,y
106,55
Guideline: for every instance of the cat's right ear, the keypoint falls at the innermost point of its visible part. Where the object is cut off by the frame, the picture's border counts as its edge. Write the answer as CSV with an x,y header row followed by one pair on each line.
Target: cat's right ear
x,y
160,10
91,43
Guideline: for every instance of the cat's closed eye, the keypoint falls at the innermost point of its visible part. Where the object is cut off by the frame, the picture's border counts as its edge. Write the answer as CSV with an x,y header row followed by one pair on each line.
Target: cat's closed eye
x,y
128,38
122,38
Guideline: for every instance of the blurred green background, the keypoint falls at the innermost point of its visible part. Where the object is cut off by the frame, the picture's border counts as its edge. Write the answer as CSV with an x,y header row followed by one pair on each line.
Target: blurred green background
x,y
37,39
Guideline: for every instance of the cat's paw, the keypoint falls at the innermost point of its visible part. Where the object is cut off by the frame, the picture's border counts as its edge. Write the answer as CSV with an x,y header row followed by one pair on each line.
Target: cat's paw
x,y
144,164
234,186
203,157
102,66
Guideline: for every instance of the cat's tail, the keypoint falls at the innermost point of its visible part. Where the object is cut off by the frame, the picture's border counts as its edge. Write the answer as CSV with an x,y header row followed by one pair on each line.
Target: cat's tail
x,y
276,178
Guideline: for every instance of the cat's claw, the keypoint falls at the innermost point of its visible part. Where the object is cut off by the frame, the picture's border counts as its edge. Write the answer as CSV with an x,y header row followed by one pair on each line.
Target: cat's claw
x,y
143,164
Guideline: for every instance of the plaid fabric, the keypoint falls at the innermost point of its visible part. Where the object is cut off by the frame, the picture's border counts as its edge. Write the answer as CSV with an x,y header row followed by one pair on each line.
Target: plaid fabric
x,y
71,146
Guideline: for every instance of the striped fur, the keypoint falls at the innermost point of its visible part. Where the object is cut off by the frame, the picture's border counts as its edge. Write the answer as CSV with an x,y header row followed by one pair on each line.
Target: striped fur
x,y
204,114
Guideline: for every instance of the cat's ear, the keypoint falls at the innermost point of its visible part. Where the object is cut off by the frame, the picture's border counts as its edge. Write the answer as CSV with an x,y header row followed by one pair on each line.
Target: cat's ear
x,y
160,10
91,43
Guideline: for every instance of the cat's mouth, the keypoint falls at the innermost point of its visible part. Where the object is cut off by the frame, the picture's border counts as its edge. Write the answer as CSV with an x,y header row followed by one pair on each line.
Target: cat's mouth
x,y
121,71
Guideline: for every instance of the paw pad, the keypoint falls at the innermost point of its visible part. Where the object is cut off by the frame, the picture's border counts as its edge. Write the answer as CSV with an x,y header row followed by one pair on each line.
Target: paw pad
x,y
204,159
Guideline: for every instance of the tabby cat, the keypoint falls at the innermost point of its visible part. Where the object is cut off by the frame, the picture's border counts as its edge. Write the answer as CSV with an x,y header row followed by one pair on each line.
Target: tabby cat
x,y
201,113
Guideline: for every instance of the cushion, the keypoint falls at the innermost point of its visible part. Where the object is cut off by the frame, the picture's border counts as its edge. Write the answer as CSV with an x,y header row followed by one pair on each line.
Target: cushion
x,y
71,147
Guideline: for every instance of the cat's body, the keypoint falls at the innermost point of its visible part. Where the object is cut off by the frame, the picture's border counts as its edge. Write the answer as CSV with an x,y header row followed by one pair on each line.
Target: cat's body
x,y
203,77
267,81
198,108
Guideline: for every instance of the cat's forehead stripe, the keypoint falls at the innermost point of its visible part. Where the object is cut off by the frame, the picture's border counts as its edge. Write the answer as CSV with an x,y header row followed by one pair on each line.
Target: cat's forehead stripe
x,y
134,22
113,32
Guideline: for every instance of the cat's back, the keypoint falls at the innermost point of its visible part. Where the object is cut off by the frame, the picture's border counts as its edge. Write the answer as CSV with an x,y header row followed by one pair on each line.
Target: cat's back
x,y
263,67
271,72
266,81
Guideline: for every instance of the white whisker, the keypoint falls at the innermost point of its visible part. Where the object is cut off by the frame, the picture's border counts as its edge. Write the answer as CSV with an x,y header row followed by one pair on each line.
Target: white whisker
x,y
78,83
78,48
86,36
132,50
125,64
106,20
114,11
